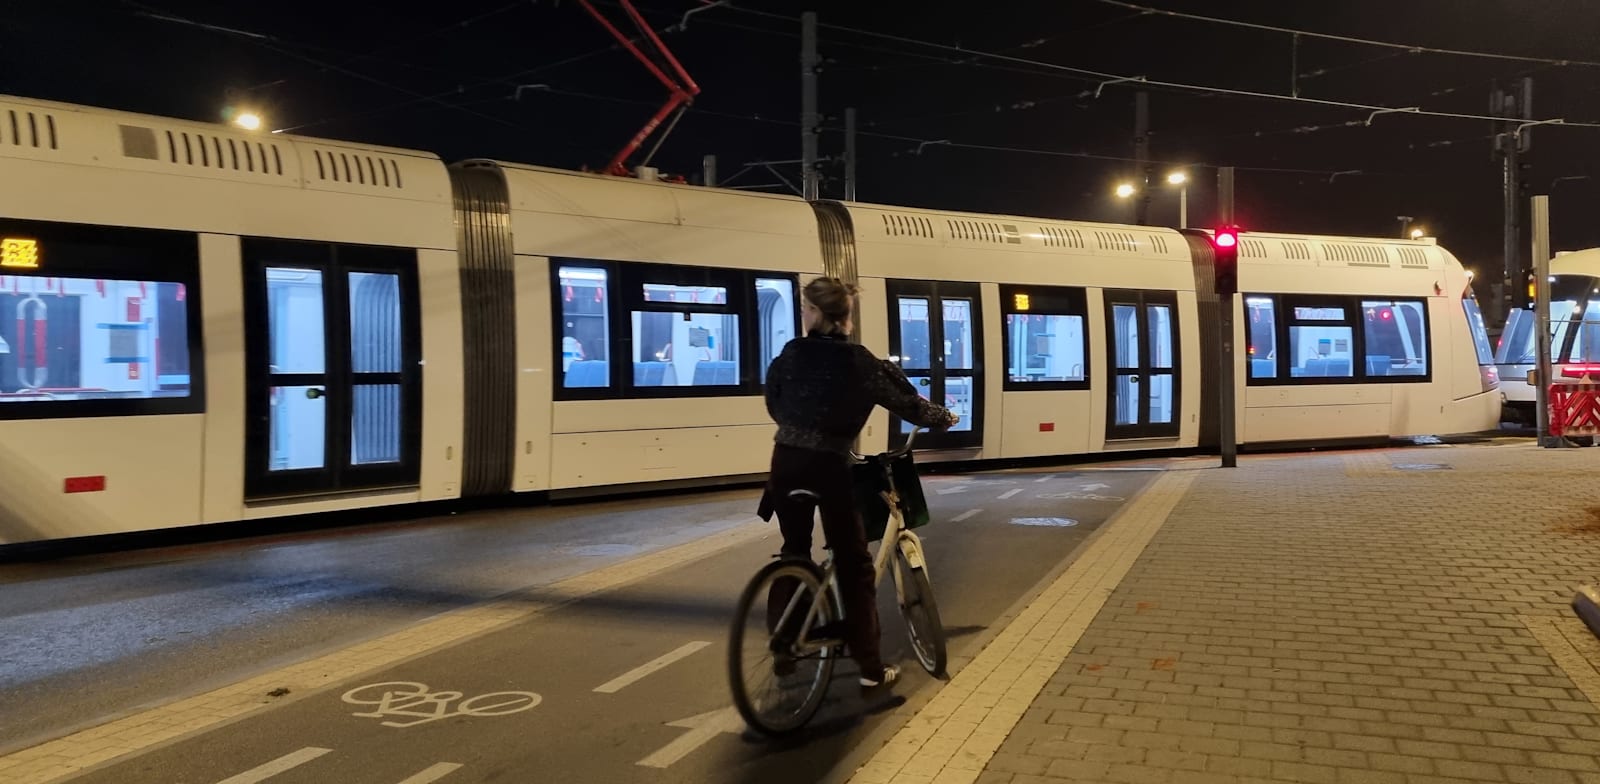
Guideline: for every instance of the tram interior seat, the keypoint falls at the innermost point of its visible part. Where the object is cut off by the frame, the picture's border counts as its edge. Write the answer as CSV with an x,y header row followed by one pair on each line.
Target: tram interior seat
x,y
723,373
654,374
1324,367
588,373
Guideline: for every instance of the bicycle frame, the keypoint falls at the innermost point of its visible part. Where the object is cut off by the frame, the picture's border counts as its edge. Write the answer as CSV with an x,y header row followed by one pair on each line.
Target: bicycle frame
x,y
895,537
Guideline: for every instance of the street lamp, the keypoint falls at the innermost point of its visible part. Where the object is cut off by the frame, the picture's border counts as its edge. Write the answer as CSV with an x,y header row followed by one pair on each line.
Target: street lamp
x,y
1417,234
1125,190
1182,181
249,121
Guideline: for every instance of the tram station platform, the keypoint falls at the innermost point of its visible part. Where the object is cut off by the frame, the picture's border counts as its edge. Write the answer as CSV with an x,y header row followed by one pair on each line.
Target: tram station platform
x,y
1384,615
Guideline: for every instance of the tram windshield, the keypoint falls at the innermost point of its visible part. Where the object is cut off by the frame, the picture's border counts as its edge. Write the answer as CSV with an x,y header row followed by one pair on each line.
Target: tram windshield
x,y
1574,325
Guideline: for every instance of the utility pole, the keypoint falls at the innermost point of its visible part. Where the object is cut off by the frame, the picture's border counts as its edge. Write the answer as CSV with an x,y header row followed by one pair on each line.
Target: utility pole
x,y
1540,218
1509,143
809,119
1230,438
1141,152
1405,223
708,168
850,154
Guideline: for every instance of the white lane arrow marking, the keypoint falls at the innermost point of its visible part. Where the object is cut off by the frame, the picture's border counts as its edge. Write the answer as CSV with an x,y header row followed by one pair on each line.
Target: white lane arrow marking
x,y
701,728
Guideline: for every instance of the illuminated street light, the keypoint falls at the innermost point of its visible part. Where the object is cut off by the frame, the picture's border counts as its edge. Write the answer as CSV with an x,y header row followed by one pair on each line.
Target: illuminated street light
x,y
1125,190
1181,180
1417,234
249,121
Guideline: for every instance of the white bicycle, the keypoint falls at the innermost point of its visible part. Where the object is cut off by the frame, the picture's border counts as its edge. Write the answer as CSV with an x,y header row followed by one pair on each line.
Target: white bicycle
x,y
778,671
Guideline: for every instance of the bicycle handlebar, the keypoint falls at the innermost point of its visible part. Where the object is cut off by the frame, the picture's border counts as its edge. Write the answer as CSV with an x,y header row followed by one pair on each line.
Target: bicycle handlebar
x,y
859,458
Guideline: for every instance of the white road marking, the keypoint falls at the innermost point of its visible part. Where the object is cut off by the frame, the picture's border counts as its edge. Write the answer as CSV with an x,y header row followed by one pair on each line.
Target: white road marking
x,y
965,515
1045,478
1007,494
433,773
701,728
639,673
949,490
1094,486
279,765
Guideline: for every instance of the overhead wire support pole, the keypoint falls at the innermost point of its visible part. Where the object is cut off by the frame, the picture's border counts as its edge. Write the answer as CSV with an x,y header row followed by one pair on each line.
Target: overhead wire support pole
x,y
1540,220
681,94
850,154
1228,431
809,120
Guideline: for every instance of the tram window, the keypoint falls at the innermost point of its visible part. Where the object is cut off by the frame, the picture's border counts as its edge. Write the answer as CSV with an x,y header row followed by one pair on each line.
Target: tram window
x,y
586,328
1261,315
685,349
1480,334
1044,338
776,320
1396,338
92,339
1320,346
1586,346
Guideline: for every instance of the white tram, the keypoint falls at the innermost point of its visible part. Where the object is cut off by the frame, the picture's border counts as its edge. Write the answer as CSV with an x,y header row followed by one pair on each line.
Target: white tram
x,y
203,325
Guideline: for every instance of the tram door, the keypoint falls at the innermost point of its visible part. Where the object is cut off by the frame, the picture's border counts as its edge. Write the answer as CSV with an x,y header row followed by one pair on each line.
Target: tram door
x,y
935,331
1142,331
333,376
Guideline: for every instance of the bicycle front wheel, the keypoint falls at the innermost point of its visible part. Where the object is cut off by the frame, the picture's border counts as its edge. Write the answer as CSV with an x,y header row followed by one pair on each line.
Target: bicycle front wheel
x,y
778,684
921,613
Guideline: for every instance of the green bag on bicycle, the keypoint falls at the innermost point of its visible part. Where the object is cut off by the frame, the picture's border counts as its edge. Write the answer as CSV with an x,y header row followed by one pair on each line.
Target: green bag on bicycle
x,y
869,481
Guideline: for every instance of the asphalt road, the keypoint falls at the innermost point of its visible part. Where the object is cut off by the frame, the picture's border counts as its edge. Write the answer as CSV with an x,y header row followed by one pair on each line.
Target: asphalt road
x,y
521,704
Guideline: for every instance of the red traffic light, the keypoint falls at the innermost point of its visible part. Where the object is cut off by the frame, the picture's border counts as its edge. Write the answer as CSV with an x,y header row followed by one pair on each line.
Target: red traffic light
x,y
1227,238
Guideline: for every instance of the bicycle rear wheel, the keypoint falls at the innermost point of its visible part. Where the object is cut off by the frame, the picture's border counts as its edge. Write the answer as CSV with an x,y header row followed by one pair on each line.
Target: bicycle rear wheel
x,y
921,613
777,687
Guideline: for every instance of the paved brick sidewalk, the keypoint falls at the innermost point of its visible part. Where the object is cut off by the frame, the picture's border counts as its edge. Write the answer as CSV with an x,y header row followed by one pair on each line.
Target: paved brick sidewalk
x,y
1354,617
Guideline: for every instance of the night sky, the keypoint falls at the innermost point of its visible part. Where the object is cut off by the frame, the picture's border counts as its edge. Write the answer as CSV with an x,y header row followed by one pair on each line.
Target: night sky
x,y
443,77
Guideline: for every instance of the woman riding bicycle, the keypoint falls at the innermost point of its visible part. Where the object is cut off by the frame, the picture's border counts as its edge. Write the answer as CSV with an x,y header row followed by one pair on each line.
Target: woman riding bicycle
x,y
820,391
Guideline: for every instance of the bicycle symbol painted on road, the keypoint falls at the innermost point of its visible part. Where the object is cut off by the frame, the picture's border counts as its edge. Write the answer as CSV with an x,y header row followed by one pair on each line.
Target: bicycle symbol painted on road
x,y
413,700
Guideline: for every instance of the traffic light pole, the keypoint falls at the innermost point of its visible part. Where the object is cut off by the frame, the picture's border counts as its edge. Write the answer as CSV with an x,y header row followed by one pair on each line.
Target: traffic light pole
x,y
1230,445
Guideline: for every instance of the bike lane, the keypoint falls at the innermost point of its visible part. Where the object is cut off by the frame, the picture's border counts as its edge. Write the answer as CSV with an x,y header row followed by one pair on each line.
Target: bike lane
x,y
631,683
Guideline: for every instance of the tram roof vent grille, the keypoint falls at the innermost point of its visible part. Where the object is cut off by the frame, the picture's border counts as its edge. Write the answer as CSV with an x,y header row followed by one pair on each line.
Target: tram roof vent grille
x,y
202,150
1119,241
1057,237
1296,250
900,225
1413,258
984,231
357,168
22,128
1357,255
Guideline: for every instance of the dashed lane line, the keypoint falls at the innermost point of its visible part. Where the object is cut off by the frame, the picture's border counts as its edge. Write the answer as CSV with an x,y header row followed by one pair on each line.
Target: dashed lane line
x,y
1007,494
279,765
140,732
967,515
433,773
1045,478
644,670
954,736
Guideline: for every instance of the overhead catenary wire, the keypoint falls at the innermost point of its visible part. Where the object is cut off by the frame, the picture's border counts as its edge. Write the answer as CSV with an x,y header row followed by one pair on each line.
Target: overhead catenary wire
x,y
1411,48
1109,79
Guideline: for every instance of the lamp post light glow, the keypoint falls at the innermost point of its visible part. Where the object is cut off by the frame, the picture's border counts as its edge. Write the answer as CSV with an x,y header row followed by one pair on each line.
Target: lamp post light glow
x,y
1417,234
1124,190
1182,181
249,121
